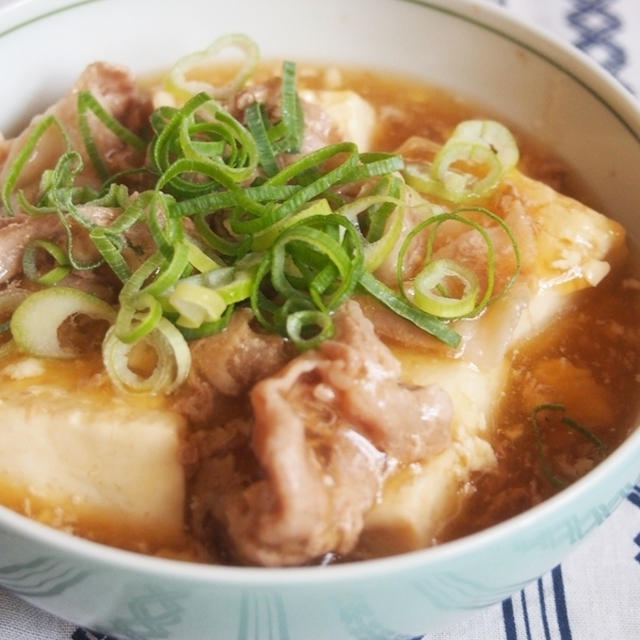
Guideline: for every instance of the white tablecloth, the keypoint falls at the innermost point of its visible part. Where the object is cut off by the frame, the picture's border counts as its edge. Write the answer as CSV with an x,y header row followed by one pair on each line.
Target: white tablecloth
x,y
595,593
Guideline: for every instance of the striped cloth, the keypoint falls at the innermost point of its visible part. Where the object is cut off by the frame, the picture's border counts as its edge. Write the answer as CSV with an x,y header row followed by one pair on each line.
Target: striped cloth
x,y
595,593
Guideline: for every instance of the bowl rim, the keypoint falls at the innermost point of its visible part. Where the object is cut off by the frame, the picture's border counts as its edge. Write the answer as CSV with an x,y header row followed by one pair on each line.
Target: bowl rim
x,y
545,46
565,57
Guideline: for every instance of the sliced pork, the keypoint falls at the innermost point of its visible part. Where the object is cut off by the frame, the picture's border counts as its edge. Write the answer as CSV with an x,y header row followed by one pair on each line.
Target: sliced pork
x,y
16,233
115,89
328,428
228,364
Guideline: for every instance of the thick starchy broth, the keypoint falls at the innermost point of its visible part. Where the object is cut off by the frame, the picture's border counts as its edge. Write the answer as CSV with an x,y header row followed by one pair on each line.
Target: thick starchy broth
x,y
211,475
588,360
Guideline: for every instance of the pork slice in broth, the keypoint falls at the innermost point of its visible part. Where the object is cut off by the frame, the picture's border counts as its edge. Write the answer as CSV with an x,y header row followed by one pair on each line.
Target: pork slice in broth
x,y
16,233
115,89
228,364
328,429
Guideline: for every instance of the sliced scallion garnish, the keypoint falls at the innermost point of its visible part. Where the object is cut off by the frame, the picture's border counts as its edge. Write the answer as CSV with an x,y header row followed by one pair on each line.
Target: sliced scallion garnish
x,y
433,293
30,262
87,103
292,117
172,360
178,83
390,299
491,134
569,422
22,157
469,165
227,219
458,215
196,304
56,305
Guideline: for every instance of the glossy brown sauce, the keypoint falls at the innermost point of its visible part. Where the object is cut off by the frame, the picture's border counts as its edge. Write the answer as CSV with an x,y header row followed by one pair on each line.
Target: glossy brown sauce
x,y
588,360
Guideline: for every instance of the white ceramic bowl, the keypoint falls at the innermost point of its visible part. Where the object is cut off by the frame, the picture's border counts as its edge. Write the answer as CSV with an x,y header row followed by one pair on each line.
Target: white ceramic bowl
x,y
543,86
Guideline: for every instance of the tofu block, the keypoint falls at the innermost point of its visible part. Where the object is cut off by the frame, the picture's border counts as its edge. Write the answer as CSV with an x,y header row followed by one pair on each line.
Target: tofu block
x,y
353,117
570,248
574,243
90,460
418,499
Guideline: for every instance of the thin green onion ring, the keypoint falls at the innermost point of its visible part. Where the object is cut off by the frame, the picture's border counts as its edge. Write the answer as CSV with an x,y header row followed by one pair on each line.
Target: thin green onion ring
x,y
300,321
56,304
427,284
29,262
173,360
88,103
569,422
10,300
456,215
177,83
21,159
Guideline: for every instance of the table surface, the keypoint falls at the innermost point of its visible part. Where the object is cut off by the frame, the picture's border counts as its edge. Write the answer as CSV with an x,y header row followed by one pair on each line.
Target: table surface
x,y
595,593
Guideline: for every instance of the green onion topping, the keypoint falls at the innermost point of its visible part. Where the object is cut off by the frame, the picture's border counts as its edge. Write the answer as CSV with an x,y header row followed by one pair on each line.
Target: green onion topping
x,y
571,424
234,214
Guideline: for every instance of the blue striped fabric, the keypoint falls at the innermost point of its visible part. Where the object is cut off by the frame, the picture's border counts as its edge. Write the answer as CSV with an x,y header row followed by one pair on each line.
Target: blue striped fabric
x,y
634,496
85,634
542,611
